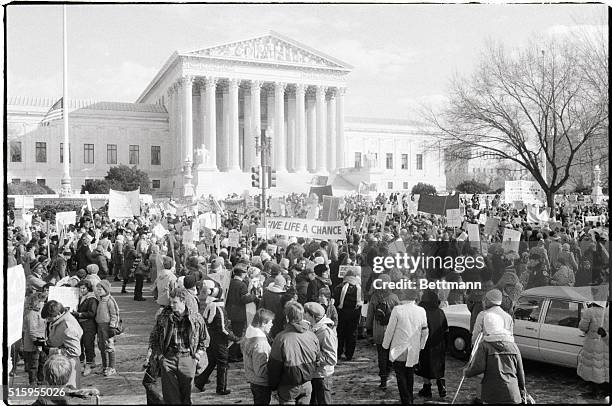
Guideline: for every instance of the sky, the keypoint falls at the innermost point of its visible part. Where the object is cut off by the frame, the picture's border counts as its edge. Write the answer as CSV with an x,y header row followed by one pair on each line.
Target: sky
x,y
403,55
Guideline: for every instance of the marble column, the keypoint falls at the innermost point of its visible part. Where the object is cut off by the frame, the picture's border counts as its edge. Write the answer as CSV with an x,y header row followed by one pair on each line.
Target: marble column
x,y
340,160
280,161
188,134
171,125
211,122
225,133
201,138
270,123
311,133
300,129
255,118
321,159
291,130
248,143
331,131
234,126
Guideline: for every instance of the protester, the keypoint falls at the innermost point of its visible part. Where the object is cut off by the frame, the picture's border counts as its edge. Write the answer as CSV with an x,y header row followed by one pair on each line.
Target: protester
x,y
107,319
328,345
256,353
86,316
348,301
237,298
34,338
591,365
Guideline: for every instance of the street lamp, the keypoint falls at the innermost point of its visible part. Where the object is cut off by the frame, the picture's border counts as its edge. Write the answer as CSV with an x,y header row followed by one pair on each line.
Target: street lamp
x,y
263,146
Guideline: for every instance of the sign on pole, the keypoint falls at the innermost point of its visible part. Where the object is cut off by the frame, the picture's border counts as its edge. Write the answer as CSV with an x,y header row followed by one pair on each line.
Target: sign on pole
x,y
233,238
64,219
453,218
511,240
15,289
123,205
68,296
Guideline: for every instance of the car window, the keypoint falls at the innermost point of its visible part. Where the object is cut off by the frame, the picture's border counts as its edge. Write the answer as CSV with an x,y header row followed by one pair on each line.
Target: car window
x,y
563,313
528,308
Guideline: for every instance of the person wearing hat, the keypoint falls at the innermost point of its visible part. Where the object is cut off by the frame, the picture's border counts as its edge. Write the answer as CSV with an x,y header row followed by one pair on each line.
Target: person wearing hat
x,y
107,319
237,297
165,282
272,300
59,265
37,276
117,256
348,301
321,381
591,366
92,275
499,359
325,300
302,281
84,256
321,279
492,304
85,313
382,302
538,270
405,336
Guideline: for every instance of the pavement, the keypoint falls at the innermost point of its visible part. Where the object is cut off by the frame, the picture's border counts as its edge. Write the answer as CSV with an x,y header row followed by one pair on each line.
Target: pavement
x,y
355,382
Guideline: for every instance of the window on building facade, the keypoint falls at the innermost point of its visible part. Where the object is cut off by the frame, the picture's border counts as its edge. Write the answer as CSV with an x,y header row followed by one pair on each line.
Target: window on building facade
x,y
389,185
155,184
88,153
41,152
419,161
62,153
15,151
389,161
155,155
404,161
134,154
111,153
357,159
41,182
405,186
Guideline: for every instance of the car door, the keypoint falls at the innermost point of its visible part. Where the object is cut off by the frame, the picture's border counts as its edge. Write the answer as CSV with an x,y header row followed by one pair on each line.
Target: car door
x,y
526,326
560,338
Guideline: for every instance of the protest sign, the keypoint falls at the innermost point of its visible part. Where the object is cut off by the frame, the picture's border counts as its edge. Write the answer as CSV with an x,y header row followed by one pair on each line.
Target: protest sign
x,y
438,204
187,237
159,231
473,231
68,296
592,219
64,219
15,291
233,238
330,208
381,217
523,191
19,222
482,218
123,205
535,216
323,230
28,202
453,217
345,268
19,201
491,226
511,239
321,191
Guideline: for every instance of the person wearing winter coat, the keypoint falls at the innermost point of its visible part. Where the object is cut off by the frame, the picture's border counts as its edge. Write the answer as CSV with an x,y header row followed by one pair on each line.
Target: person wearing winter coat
x,y
327,302
302,281
101,260
405,336
328,344
237,297
321,280
432,357
220,331
293,358
34,326
511,289
272,300
84,256
563,277
376,322
107,318
130,258
492,304
498,357
86,316
348,301
165,282
591,365
64,337
117,257
256,353
92,275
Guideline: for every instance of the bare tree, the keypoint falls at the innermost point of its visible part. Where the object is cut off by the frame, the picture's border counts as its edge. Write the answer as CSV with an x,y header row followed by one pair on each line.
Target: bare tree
x,y
537,107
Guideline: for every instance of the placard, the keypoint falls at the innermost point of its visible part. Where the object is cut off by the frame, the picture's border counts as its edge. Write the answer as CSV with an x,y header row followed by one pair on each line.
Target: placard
x,y
188,237
381,217
159,231
473,231
453,217
524,191
345,268
123,205
511,240
64,219
482,218
15,290
67,296
323,230
233,238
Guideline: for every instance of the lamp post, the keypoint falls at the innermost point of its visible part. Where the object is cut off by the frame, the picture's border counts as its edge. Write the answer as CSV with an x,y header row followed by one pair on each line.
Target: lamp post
x,y
263,146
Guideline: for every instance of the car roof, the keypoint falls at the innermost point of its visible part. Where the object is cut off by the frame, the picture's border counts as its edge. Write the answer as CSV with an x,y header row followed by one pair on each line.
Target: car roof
x,y
599,293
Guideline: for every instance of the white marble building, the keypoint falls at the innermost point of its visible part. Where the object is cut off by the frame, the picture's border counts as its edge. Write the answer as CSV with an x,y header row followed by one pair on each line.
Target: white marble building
x,y
194,127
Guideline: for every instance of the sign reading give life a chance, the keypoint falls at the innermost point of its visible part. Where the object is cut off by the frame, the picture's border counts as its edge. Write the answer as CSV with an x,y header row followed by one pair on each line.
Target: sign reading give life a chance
x,y
323,230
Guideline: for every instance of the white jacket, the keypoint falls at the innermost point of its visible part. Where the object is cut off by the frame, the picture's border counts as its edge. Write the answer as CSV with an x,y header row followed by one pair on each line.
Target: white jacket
x,y
406,333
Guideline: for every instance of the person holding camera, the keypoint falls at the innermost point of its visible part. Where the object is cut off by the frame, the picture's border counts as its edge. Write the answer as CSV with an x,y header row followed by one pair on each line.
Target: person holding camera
x,y
64,337
107,318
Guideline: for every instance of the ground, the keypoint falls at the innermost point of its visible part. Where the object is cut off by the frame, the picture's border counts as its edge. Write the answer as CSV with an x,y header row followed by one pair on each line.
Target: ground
x,y
355,382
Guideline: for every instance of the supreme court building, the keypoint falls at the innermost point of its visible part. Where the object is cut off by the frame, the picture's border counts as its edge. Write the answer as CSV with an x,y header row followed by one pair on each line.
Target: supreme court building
x,y
195,127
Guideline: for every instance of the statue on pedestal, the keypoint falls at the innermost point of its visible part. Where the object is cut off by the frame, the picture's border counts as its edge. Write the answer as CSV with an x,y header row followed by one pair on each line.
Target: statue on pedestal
x,y
597,193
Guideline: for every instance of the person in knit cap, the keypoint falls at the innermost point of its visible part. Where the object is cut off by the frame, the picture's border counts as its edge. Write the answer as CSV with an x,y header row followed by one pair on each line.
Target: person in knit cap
x,y
348,301
272,300
321,381
498,357
107,319
86,316
492,303
191,300
327,302
92,275
382,302
165,282
321,279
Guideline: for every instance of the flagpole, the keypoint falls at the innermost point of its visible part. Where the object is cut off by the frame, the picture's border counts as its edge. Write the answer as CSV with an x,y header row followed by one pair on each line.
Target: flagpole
x,y
66,188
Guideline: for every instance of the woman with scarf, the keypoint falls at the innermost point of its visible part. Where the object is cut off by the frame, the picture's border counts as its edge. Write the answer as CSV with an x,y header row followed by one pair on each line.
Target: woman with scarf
x,y
348,301
86,316
382,302
432,357
591,366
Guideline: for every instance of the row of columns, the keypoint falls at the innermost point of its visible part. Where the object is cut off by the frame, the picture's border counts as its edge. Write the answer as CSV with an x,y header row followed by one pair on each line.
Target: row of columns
x,y
314,140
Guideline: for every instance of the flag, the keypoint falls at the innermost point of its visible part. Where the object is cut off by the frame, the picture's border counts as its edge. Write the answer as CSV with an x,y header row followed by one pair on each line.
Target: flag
x,y
56,112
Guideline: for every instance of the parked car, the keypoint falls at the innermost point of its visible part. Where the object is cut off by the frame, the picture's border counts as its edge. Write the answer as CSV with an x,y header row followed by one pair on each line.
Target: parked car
x,y
545,323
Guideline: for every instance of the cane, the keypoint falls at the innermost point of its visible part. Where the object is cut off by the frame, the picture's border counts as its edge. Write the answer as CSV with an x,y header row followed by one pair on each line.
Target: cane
x,y
478,339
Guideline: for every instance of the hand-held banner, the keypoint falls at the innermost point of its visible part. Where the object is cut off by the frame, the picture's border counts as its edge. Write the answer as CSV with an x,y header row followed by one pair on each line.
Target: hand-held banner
x,y
123,205
322,230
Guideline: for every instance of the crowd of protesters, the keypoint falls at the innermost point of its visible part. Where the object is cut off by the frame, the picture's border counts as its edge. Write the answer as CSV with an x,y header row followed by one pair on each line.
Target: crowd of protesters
x,y
281,306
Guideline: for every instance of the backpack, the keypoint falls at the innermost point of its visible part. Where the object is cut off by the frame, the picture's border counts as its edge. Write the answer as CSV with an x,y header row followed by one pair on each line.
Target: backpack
x,y
382,313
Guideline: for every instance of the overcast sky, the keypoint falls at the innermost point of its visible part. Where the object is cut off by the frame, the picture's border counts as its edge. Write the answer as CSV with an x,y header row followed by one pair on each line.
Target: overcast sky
x,y
402,54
